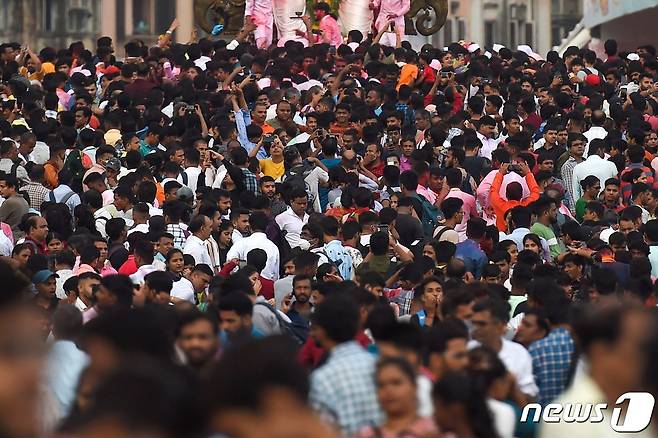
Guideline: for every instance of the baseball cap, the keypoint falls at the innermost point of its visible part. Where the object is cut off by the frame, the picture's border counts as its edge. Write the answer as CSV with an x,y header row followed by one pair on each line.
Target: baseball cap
x,y
43,275
593,80
114,164
185,194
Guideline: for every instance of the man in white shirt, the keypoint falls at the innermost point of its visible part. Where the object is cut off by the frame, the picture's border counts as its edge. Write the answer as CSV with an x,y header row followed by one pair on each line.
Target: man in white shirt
x,y
490,317
593,165
294,218
258,239
201,229
485,133
144,257
597,130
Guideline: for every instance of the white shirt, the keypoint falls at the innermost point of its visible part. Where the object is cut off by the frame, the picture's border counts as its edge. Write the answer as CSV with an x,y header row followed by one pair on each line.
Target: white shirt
x,y
142,271
40,153
6,246
503,416
236,236
259,240
101,216
594,165
201,62
488,145
518,361
64,274
292,224
197,249
593,133
183,290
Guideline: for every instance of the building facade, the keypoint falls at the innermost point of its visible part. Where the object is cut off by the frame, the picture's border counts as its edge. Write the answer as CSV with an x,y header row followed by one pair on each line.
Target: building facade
x,y
540,24
57,23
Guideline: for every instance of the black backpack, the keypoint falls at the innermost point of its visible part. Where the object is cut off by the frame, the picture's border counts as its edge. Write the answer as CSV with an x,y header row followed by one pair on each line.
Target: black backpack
x,y
287,328
295,177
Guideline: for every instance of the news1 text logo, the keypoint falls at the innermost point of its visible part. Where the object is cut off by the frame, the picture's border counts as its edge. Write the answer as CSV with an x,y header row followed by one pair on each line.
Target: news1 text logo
x,y
637,418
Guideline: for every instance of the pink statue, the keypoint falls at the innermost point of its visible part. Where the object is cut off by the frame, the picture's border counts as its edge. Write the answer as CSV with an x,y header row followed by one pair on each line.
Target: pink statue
x,y
261,14
390,10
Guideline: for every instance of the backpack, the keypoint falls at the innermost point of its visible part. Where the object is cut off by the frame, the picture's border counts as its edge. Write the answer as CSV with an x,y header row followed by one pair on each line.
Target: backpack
x,y
64,200
295,177
287,328
14,169
431,215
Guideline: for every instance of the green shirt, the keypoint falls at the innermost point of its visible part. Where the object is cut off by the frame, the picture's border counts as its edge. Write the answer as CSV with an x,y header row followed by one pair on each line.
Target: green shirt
x,y
580,209
547,233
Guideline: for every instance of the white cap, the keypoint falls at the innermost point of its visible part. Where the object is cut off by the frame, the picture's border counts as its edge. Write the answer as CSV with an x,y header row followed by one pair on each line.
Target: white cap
x,y
496,47
445,49
263,83
431,108
488,54
525,49
633,57
232,45
436,64
473,48
353,46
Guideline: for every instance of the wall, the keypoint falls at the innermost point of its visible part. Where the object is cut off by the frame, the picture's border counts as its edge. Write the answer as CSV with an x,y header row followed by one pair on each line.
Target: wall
x,y
632,30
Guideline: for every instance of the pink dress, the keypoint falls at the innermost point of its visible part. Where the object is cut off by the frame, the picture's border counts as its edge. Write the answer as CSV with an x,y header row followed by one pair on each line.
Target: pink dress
x,y
330,31
261,13
394,8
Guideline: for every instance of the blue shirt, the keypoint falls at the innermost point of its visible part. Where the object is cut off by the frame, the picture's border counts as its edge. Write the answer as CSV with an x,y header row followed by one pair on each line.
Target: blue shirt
x,y
551,364
343,390
242,120
338,255
474,258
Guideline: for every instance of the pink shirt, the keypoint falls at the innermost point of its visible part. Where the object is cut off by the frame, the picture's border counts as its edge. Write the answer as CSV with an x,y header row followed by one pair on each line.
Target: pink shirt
x,y
426,193
405,164
395,8
260,11
485,187
470,210
330,31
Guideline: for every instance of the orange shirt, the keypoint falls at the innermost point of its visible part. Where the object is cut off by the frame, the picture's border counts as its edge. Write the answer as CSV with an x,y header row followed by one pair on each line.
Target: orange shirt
x,y
408,75
50,175
501,205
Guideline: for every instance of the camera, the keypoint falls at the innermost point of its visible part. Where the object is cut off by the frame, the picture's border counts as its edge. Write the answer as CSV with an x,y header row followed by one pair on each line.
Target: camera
x,y
514,168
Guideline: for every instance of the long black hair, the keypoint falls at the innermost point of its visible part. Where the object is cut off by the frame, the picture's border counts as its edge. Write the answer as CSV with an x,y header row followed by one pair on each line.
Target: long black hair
x,y
461,389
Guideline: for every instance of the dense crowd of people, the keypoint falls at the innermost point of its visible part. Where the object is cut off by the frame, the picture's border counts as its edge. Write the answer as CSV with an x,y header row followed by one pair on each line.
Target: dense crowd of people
x,y
342,238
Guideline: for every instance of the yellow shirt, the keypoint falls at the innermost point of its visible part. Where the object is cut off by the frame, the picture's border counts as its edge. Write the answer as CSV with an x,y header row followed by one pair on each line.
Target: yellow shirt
x,y
270,168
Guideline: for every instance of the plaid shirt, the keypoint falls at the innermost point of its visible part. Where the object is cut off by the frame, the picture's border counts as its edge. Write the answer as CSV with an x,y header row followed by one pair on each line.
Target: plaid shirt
x,y
402,298
343,389
567,174
37,193
551,364
250,181
179,235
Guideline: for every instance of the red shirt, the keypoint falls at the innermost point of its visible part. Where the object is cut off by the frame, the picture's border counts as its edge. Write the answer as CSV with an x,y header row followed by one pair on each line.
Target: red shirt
x,y
129,267
311,354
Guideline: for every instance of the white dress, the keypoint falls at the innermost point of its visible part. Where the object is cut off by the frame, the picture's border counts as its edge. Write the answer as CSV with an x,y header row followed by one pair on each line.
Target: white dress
x,y
355,15
286,26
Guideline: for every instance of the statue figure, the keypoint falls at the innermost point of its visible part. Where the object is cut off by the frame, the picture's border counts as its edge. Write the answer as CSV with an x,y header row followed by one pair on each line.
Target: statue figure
x,y
230,13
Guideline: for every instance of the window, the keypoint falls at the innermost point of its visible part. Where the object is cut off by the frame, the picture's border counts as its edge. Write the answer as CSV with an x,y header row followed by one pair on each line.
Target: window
x,y
489,33
81,15
142,17
461,29
50,12
4,14
512,34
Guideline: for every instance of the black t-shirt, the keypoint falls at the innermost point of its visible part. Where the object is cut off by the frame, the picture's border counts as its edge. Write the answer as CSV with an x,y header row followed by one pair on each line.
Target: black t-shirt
x,y
475,166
